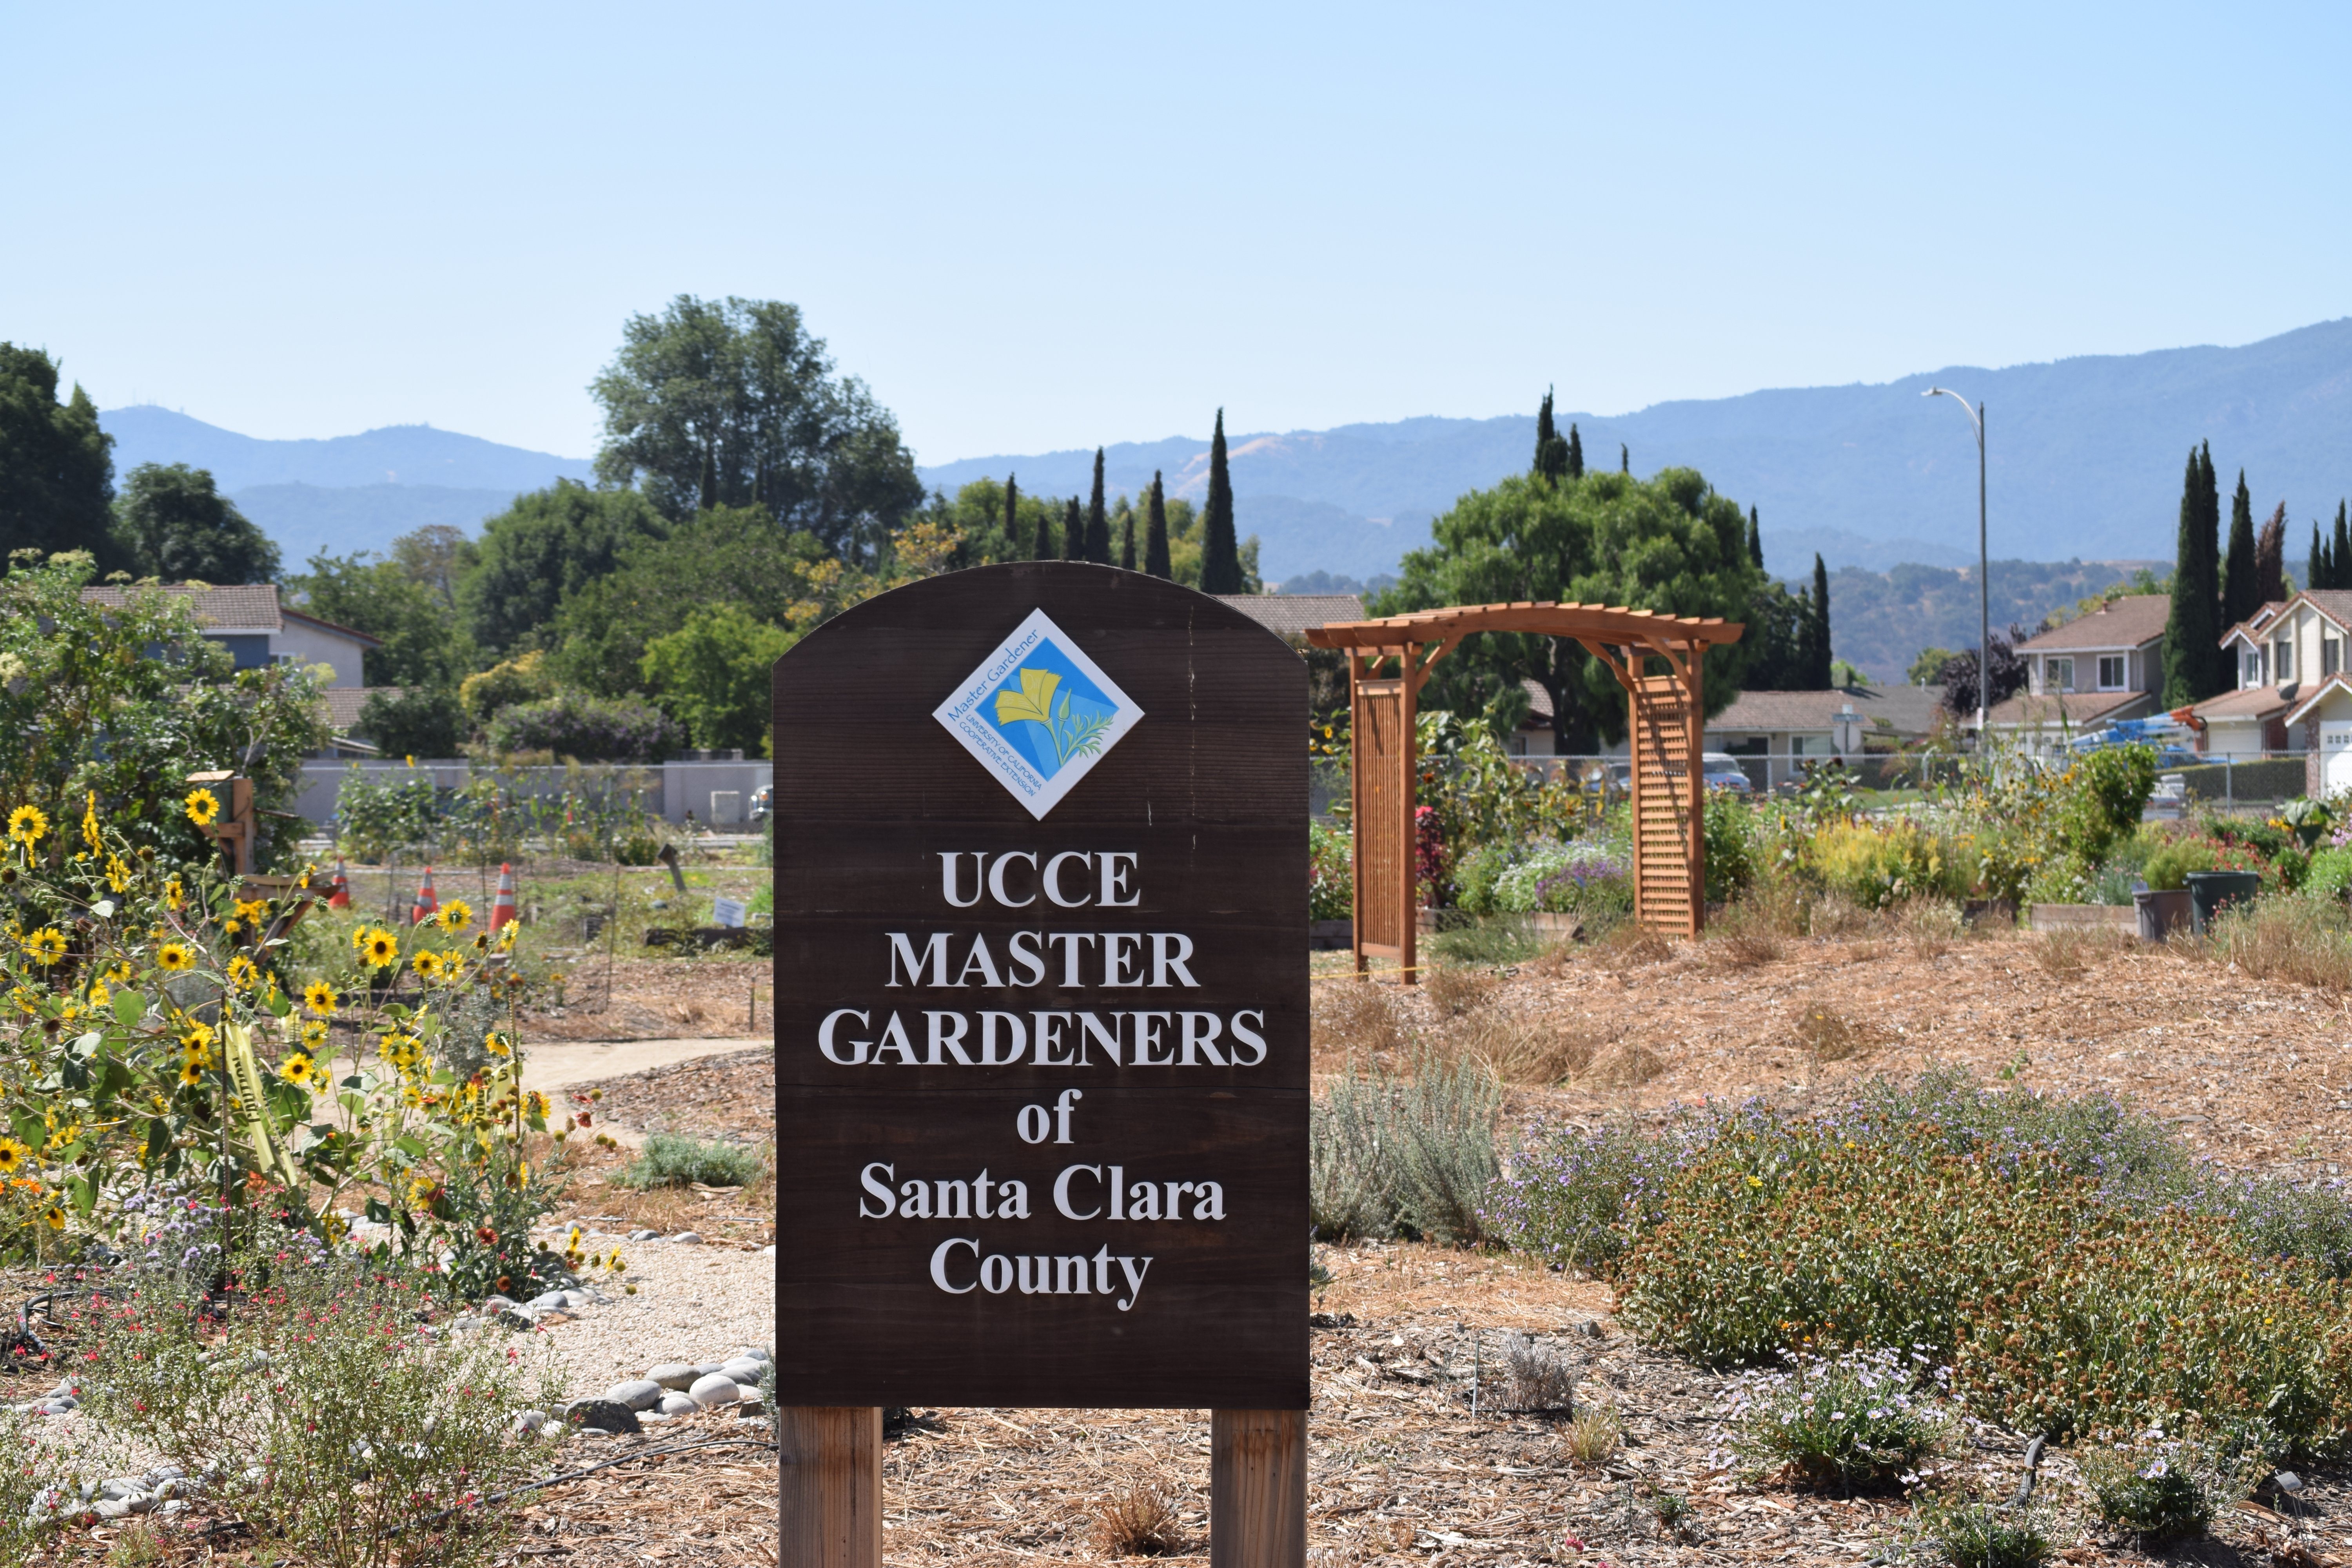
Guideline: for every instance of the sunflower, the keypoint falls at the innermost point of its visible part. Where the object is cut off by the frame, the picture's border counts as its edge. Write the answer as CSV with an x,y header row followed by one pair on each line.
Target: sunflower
x,y
192,1072
175,957
455,915
118,873
427,964
232,925
297,1068
120,973
242,972
495,1043
453,965
47,946
314,1033
380,949
251,908
319,997
27,825
100,997
55,1217
202,807
13,1156
174,894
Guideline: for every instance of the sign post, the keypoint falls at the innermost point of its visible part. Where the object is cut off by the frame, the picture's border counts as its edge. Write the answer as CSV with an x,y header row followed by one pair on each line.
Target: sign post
x,y
1040,1031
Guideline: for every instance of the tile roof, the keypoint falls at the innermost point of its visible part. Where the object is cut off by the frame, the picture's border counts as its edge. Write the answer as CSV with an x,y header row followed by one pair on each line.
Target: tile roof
x,y
2127,622
248,607
2252,702
2308,697
1910,710
343,703
2075,708
358,637
2335,603
1294,615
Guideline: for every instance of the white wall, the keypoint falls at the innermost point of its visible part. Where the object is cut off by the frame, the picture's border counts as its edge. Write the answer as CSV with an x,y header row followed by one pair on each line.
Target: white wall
x,y
316,645
683,785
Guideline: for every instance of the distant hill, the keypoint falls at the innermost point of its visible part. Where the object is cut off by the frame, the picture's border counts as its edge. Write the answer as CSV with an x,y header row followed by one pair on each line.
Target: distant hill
x,y
2085,458
1880,620
346,493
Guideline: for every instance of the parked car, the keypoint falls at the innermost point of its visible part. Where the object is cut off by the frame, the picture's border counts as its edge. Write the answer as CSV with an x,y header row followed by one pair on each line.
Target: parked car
x,y
762,801
1719,770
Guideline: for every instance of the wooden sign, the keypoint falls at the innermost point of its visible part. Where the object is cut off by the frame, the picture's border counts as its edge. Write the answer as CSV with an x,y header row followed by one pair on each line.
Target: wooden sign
x,y
1041,999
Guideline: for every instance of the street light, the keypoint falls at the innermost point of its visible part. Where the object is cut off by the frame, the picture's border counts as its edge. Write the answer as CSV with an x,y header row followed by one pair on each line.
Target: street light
x,y
1984,580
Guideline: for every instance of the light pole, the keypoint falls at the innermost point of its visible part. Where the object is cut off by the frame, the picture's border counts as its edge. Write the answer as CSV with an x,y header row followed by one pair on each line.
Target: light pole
x,y
1984,580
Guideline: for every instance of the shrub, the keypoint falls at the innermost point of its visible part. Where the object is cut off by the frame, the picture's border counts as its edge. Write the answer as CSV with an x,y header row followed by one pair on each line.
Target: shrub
x,y
1971,1532
1732,842
1861,1420
1592,1434
1877,865
591,729
1564,1194
423,721
2167,869
1408,1153
2167,1488
1331,873
2283,936
669,1159
1494,939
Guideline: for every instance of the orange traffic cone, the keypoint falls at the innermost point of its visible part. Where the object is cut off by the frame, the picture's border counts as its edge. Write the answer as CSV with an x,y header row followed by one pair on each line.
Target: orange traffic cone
x,y
503,907
427,906
339,894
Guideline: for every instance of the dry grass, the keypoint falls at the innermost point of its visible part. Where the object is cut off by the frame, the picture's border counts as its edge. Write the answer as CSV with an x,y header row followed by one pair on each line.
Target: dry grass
x,y
1537,1378
1520,1050
2066,953
1834,914
1632,946
2292,939
1591,1437
1628,1066
1829,1035
1931,926
1140,1521
1356,1017
1454,991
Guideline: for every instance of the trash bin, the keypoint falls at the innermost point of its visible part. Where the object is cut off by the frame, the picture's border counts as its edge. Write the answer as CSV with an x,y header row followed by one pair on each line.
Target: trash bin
x,y
2210,892
2162,914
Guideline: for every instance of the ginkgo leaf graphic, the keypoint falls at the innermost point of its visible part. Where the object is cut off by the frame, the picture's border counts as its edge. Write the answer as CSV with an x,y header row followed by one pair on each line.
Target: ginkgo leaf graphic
x,y
1032,701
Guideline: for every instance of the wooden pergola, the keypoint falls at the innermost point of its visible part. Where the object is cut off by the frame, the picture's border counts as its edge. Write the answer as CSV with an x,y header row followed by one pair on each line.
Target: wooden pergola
x,y
1666,719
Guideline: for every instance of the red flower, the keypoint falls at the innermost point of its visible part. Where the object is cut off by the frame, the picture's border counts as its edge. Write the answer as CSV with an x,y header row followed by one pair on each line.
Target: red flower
x,y
485,1234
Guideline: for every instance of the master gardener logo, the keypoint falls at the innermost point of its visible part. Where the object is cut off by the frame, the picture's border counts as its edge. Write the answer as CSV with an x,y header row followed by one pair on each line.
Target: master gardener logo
x,y
1038,714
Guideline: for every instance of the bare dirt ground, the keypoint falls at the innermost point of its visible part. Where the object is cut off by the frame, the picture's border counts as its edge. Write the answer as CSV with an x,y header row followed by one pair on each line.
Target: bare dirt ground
x,y
659,998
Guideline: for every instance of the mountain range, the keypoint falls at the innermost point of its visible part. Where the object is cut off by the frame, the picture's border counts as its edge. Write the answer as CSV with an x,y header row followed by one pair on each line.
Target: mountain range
x,y
2084,458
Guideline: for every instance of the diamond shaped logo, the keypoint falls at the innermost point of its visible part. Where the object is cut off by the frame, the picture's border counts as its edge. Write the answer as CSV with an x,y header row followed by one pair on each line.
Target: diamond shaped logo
x,y
1038,714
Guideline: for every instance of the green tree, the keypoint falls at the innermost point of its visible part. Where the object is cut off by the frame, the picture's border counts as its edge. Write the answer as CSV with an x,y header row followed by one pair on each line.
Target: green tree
x,y
435,558
2241,588
1098,518
1928,669
1668,544
546,546
1818,674
57,467
171,522
1552,450
1126,536
425,721
733,403
714,674
1625,459
2270,559
2339,553
1043,546
2192,662
1155,537
1575,454
424,643
1012,529
1773,649
1755,540
2317,572
1074,532
1221,565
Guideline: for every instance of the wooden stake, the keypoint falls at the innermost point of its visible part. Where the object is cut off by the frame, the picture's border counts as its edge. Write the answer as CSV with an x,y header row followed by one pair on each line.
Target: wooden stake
x,y
1257,1489
831,1468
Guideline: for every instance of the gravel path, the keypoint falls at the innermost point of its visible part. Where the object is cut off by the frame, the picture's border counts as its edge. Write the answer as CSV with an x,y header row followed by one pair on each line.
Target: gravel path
x,y
693,1304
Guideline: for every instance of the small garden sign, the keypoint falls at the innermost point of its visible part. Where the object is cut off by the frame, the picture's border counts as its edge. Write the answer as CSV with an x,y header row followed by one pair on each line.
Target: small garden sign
x,y
1041,1027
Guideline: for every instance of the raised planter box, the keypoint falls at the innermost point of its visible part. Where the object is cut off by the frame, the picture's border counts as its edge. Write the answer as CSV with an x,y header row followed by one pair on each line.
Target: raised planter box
x,y
1328,936
2086,917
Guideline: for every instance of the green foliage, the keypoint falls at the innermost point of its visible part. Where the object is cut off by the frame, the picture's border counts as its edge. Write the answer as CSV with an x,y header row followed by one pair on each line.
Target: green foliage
x,y
672,1161
1331,873
2167,1488
1857,1421
1408,1154
171,522
2106,790
126,699
2194,667
1669,543
2328,876
578,726
489,694
715,674
1928,669
339,1416
1972,1533
1221,566
1732,838
57,467
377,813
1881,862
424,722
549,545
1489,939
403,601
733,403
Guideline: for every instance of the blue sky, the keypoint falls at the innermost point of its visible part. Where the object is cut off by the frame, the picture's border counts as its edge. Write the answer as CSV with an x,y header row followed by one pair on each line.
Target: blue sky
x,y
1031,228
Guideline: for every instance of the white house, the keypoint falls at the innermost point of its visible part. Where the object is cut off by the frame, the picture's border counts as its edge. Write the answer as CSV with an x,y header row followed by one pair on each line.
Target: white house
x,y
2090,672
2293,694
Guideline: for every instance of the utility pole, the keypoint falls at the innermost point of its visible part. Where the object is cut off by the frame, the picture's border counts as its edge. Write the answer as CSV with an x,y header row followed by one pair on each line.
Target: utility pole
x,y
1984,580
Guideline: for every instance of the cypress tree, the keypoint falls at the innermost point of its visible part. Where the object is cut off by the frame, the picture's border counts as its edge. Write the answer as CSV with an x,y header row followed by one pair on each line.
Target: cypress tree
x,y
1220,561
1045,548
1126,538
1755,540
1817,671
1074,532
2339,557
1575,454
2238,586
2314,571
1155,532
2191,650
1551,452
1624,459
1097,520
2270,558
1011,513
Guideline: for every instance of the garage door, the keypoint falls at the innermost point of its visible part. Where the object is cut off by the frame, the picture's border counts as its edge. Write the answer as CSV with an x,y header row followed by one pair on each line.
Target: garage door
x,y
2336,757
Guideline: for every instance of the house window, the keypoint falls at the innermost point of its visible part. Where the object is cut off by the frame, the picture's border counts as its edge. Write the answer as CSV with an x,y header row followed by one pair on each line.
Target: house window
x,y
2284,661
2331,656
2058,675
2250,669
2111,672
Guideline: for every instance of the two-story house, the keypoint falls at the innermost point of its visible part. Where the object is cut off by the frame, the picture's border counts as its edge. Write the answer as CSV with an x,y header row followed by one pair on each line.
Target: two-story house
x,y
2090,672
2294,693
248,620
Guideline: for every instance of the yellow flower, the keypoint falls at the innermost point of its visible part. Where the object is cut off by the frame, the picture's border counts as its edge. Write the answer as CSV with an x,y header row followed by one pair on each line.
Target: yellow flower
x,y
202,807
495,1043
174,894
314,1032
380,949
55,1217
192,1072
453,965
13,1156
99,996
241,972
427,964
120,973
232,925
251,908
411,1097
175,957
319,997
118,873
455,916
297,1068
47,946
27,825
